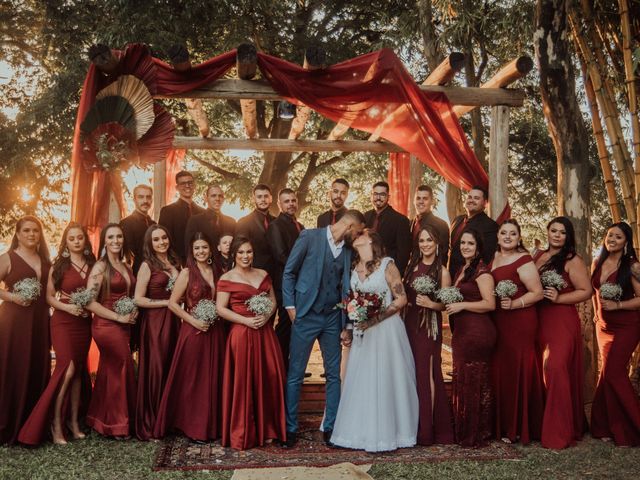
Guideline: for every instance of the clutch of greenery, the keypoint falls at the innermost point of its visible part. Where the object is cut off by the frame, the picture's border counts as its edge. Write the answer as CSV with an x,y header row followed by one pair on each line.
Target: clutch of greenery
x,y
610,291
170,284
552,279
260,304
206,311
449,295
28,289
82,297
506,289
424,285
124,306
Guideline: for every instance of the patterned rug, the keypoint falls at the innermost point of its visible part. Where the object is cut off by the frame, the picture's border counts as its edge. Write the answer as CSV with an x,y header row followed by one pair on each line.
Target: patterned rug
x,y
180,453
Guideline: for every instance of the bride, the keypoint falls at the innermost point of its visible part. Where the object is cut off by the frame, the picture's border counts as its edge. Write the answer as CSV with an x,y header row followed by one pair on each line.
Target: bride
x,y
378,408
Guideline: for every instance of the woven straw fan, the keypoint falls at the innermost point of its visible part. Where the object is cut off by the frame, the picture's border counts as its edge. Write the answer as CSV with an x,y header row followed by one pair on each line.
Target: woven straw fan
x,y
137,95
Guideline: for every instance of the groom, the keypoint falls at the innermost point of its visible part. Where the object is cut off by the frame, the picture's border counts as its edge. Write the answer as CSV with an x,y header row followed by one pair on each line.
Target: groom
x,y
316,278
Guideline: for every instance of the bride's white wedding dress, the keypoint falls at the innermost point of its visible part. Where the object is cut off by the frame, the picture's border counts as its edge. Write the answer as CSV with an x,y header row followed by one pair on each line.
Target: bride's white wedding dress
x,y
378,408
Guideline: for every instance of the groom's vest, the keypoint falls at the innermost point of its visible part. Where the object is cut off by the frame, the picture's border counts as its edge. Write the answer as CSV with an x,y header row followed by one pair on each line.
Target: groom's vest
x,y
330,291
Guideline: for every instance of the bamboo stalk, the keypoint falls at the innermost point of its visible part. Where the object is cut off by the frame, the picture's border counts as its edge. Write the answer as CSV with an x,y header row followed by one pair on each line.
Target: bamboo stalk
x,y
630,82
603,154
626,177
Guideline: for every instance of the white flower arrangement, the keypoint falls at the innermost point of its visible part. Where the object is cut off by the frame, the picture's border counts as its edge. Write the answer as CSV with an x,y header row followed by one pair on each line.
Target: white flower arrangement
x,y
506,289
610,291
449,295
206,311
424,285
82,297
260,304
170,284
552,279
124,306
28,289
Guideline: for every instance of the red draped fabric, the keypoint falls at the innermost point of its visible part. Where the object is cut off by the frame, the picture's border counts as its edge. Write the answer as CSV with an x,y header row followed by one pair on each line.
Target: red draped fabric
x,y
173,166
399,180
373,93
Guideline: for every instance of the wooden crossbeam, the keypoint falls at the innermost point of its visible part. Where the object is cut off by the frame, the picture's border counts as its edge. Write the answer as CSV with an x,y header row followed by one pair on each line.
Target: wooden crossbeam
x,y
284,145
261,90
508,74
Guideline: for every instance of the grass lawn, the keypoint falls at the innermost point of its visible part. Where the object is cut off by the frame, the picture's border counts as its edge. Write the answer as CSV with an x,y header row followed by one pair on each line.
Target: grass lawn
x,y
98,458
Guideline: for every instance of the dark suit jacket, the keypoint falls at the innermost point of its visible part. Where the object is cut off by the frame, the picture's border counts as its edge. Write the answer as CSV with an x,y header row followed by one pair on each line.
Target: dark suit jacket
x,y
252,226
325,219
282,234
442,230
212,224
134,227
175,217
485,226
394,228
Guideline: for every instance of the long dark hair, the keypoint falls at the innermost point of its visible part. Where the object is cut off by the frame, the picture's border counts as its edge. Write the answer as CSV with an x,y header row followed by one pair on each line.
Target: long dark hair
x,y
61,263
197,286
149,254
514,222
568,250
43,248
435,269
235,246
477,263
105,288
627,259
377,247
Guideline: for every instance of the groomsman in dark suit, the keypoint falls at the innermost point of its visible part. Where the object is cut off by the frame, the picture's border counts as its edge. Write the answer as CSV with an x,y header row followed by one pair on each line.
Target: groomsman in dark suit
x,y
477,219
392,226
135,225
423,203
281,235
212,222
255,225
337,196
176,215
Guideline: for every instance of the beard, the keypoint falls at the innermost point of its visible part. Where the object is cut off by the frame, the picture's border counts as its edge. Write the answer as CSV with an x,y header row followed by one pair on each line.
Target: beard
x,y
348,239
337,203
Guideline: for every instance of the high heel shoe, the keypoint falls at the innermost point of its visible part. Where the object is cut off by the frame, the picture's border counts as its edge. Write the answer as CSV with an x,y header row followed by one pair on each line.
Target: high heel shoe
x,y
59,440
76,433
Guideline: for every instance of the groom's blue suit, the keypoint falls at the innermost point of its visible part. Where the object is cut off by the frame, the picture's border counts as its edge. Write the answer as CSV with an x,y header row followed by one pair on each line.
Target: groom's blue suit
x,y
314,281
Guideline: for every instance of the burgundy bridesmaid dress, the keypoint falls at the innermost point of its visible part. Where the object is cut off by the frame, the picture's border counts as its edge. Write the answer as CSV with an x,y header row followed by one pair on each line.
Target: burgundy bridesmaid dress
x,y
473,342
560,341
71,337
253,408
435,423
112,407
517,376
616,408
191,401
159,329
25,361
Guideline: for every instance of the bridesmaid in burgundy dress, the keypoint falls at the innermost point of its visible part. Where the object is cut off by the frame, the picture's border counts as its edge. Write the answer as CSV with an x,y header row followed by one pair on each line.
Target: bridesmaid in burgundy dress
x,y
25,363
253,409
159,327
60,403
517,376
615,413
425,338
191,401
560,337
473,341
112,407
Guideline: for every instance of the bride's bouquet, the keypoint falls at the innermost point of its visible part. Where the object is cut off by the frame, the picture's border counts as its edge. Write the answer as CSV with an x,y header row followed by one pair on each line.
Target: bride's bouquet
x,y
260,304
610,291
361,306
28,289
205,311
170,284
426,285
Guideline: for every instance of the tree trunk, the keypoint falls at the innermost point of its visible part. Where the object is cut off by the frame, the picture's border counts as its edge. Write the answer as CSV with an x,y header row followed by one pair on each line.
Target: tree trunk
x,y
569,135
